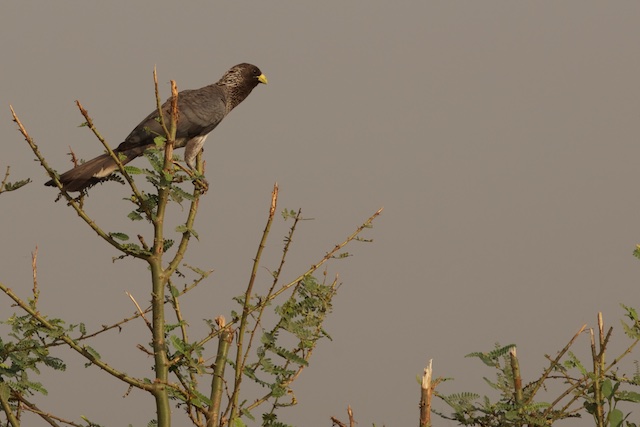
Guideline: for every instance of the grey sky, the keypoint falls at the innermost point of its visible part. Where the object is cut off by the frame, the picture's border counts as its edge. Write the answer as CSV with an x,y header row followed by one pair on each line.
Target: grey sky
x,y
501,138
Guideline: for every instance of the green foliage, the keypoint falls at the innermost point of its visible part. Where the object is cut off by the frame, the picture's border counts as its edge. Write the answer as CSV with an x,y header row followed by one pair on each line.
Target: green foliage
x,y
633,329
301,318
132,170
492,358
184,229
12,186
271,420
6,186
472,409
592,389
26,351
288,214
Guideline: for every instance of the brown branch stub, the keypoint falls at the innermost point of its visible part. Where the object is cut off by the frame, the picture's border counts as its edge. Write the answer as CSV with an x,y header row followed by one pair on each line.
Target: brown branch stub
x,y
426,393
274,199
220,321
171,135
352,421
174,104
517,379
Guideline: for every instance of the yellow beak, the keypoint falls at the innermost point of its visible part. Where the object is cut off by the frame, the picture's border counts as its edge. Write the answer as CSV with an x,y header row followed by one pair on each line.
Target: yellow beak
x,y
263,79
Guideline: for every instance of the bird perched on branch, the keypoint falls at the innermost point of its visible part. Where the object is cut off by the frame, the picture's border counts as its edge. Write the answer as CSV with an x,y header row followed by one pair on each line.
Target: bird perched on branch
x,y
199,112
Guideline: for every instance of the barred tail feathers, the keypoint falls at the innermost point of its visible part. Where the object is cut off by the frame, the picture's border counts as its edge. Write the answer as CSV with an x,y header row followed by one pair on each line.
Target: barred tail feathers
x,y
88,173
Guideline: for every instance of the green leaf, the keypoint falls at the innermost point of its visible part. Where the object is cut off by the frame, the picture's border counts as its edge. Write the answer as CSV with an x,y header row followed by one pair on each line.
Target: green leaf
x,y
628,396
616,417
590,407
159,141
491,358
4,391
93,353
119,236
631,312
132,170
237,422
199,399
607,389
511,415
178,194
288,213
174,291
184,229
134,216
178,344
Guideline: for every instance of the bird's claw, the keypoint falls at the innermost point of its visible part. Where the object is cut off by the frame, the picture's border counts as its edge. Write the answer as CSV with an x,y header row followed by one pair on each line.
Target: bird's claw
x,y
201,184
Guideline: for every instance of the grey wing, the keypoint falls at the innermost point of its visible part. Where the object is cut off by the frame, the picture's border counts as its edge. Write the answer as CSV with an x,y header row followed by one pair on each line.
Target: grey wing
x,y
199,112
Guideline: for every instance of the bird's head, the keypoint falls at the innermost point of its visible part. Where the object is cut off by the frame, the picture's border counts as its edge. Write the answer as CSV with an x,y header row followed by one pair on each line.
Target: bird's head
x,y
243,74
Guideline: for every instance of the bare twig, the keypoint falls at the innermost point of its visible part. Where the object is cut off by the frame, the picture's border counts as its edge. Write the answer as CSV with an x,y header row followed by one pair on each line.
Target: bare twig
x,y
34,269
74,158
241,352
47,417
5,179
140,312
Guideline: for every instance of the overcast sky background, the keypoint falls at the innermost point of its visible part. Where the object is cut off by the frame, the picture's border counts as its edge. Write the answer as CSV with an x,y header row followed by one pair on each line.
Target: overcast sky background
x,y
500,137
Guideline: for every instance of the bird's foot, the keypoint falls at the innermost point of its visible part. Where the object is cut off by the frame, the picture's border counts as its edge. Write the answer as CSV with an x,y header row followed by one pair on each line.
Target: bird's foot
x,y
198,180
201,184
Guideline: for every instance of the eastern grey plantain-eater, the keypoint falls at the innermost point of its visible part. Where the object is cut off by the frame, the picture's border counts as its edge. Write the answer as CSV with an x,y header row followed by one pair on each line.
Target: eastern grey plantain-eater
x,y
199,112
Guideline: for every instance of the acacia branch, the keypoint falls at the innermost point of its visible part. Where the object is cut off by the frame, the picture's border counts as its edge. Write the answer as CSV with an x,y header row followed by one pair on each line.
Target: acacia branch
x,y
4,403
241,354
329,255
70,200
72,344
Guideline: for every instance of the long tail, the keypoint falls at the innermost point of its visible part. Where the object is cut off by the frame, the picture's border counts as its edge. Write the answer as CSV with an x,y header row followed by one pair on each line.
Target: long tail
x,y
93,171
